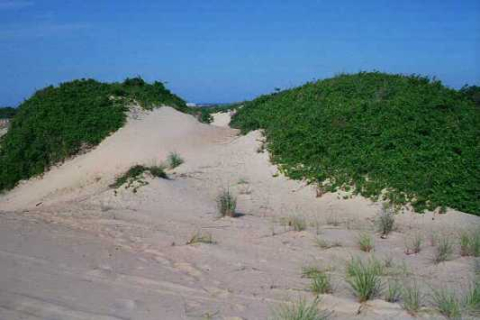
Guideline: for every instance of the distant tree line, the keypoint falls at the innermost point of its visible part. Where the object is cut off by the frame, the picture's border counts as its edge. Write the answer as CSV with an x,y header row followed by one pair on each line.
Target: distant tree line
x,y
7,112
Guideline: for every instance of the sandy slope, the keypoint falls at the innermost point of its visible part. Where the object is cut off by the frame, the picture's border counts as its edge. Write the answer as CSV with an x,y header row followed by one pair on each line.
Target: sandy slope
x,y
72,248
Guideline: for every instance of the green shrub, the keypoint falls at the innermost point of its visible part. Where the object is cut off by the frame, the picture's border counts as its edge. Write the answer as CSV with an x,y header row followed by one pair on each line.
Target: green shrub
x,y
405,139
59,122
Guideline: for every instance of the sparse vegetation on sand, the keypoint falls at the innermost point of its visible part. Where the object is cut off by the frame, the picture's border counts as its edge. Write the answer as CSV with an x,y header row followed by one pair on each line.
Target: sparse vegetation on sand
x,y
413,244
444,250
297,223
472,300
133,177
405,139
174,160
201,237
470,243
412,298
365,278
59,122
447,303
226,203
365,242
386,221
394,291
300,310
321,283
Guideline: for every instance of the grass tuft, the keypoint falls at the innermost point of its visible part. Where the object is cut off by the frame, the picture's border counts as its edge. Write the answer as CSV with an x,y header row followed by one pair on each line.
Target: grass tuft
x,y
324,244
201,237
412,298
470,243
174,160
444,250
364,278
472,300
321,283
300,310
386,221
446,302
394,291
365,242
226,204
413,245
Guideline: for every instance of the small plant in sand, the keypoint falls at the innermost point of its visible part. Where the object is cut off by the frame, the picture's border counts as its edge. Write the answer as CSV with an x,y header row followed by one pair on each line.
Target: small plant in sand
x,y
174,160
364,278
201,237
297,223
134,176
321,283
300,310
226,203
444,250
472,300
412,298
446,302
386,221
394,291
413,245
470,243
324,244
310,271
365,242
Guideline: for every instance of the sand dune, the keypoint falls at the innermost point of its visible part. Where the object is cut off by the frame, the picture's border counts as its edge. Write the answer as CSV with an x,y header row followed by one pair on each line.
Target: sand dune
x,y
72,248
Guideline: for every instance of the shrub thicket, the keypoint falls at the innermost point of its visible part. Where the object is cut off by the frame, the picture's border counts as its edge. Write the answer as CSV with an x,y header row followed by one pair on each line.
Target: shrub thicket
x,y
408,136
58,122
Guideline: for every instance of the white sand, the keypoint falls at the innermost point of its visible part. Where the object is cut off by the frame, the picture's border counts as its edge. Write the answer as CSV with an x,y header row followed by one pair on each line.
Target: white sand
x,y
221,119
72,248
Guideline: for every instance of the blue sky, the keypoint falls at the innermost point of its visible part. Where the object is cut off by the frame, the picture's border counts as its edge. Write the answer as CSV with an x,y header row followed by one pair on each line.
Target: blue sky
x,y
222,51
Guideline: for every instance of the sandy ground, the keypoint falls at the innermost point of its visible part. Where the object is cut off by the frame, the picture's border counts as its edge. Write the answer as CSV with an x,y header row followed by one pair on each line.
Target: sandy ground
x,y
3,131
73,248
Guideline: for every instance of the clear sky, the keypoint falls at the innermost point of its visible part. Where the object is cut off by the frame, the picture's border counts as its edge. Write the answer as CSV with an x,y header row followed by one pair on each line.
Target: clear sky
x,y
225,50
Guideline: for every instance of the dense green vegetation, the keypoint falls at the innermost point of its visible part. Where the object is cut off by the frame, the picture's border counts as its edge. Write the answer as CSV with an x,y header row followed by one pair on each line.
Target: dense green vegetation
x,y
58,122
7,112
472,93
406,139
